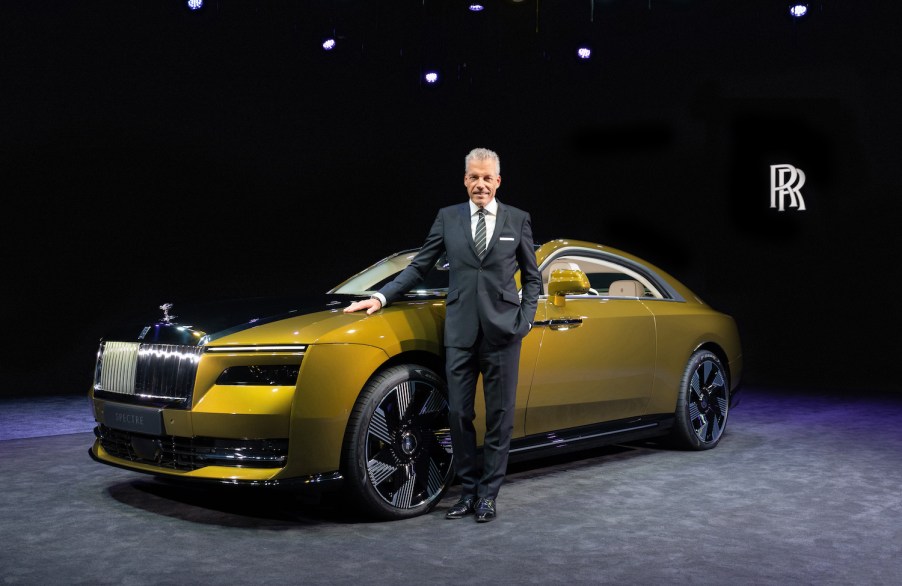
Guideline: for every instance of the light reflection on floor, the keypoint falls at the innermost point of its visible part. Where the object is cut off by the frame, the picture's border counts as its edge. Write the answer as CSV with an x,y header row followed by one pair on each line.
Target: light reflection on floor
x,y
41,416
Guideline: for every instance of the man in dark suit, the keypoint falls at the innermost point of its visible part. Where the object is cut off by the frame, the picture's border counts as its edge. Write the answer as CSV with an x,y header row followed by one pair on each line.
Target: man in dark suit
x,y
486,242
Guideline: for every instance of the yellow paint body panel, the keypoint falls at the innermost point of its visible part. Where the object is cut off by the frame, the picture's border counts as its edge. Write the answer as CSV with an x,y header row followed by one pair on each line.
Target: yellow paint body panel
x,y
601,369
328,386
681,330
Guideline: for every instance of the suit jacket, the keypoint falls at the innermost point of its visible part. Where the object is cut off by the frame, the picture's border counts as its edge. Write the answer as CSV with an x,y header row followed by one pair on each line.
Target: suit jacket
x,y
481,292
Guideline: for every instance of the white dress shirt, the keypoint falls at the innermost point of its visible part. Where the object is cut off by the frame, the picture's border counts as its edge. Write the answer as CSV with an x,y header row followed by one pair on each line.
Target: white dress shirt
x,y
491,215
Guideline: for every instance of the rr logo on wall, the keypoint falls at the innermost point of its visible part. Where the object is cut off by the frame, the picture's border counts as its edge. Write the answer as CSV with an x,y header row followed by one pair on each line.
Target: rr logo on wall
x,y
786,182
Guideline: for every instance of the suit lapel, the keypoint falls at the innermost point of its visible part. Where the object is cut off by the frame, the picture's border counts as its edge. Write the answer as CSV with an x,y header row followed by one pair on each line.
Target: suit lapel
x,y
499,224
464,217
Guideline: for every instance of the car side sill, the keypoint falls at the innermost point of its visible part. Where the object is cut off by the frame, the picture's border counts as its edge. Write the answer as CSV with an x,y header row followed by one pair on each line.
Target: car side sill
x,y
589,436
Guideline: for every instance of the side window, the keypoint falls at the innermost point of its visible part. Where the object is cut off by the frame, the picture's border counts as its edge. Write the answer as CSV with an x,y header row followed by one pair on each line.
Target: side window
x,y
602,282
606,278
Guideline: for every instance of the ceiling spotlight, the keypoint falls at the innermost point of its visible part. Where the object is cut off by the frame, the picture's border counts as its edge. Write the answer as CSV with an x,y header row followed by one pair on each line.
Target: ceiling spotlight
x,y
476,7
329,44
195,4
798,10
431,77
584,52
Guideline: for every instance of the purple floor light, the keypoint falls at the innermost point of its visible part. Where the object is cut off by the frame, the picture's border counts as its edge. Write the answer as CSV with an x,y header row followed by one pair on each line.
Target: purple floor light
x,y
195,4
431,77
584,52
328,44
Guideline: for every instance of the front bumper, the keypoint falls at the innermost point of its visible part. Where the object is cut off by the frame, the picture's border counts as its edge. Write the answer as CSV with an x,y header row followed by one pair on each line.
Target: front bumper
x,y
312,484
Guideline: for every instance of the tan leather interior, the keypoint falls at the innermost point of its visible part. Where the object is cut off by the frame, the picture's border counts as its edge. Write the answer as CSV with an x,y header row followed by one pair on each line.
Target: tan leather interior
x,y
626,289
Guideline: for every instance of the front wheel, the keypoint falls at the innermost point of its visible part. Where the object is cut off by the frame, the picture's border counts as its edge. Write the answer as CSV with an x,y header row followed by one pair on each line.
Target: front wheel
x,y
703,403
397,449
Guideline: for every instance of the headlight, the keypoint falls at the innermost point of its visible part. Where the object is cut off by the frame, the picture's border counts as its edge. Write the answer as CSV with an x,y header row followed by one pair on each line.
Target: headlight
x,y
267,375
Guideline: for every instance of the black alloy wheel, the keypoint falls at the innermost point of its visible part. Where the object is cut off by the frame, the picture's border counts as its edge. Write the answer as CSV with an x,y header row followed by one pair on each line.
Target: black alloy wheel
x,y
397,453
703,403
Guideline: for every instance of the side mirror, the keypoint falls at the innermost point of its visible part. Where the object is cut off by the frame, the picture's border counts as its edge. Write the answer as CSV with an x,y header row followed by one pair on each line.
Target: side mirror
x,y
566,282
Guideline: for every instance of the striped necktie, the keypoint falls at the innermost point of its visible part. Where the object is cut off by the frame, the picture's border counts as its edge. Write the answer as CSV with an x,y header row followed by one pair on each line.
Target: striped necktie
x,y
480,233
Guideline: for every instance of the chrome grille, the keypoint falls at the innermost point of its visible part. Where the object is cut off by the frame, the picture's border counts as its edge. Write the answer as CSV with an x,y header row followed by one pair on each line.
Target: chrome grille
x,y
116,367
152,371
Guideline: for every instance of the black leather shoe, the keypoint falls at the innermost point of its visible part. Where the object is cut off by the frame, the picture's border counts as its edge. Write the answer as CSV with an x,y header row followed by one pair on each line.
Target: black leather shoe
x,y
485,510
461,508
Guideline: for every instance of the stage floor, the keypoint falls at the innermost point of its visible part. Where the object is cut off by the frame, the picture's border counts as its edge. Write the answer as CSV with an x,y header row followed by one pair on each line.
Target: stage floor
x,y
804,488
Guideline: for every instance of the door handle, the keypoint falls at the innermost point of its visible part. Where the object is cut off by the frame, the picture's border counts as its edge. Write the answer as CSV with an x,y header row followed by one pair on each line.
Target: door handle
x,y
562,323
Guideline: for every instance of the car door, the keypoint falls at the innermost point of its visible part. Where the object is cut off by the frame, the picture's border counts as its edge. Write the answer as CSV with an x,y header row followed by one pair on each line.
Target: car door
x,y
596,362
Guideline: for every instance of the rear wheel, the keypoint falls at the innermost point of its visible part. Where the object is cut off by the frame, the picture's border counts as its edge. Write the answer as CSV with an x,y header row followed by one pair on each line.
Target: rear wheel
x,y
397,448
703,402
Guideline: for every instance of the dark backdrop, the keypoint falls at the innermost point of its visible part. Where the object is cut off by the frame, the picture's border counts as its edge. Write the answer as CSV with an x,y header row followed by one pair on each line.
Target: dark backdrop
x,y
154,154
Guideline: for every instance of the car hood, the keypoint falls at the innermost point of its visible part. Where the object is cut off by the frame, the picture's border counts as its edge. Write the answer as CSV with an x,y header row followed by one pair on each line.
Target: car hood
x,y
203,323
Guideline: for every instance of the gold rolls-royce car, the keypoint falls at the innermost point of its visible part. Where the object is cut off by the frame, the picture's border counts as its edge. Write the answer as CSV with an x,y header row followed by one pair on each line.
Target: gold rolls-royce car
x,y
315,398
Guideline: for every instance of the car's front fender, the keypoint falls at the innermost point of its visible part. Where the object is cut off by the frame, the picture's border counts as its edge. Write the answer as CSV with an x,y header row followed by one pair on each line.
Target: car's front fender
x,y
330,379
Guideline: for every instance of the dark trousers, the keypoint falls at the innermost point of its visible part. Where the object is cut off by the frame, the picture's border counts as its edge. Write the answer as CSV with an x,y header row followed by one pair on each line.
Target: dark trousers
x,y
499,366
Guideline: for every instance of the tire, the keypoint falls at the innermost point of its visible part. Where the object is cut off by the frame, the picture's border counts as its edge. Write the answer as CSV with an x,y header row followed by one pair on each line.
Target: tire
x,y
703,403
397,447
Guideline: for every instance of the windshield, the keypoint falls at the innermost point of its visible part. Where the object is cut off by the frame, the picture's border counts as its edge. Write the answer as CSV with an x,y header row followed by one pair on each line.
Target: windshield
x,y
375,277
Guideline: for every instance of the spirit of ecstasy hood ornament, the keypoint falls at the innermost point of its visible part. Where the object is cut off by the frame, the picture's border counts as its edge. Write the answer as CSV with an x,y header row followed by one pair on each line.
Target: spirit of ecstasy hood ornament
x,y
166,317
